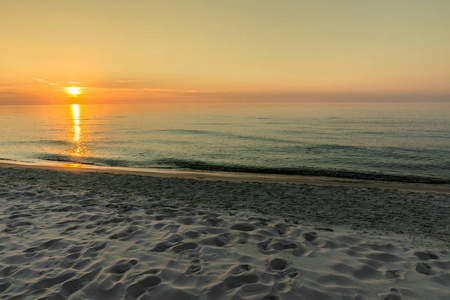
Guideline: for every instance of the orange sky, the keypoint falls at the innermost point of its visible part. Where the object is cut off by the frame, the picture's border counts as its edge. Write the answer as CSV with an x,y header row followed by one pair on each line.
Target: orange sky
x,y
253,50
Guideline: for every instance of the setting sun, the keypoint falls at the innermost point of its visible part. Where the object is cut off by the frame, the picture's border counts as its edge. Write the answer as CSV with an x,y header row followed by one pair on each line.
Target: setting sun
x,y
74,91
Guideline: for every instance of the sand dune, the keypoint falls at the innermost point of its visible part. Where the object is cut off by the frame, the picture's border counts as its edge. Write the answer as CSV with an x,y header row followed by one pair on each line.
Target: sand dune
x,y
104,236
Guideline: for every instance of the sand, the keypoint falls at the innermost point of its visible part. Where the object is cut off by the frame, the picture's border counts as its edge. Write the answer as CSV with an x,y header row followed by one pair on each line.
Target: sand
x,y
84,235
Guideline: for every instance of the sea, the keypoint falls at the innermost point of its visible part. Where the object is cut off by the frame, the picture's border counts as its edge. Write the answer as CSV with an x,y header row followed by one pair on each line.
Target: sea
x,y
400,142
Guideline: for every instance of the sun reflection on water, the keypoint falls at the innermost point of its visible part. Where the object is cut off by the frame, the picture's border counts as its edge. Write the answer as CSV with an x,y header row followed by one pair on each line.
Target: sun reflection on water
x,y
77,135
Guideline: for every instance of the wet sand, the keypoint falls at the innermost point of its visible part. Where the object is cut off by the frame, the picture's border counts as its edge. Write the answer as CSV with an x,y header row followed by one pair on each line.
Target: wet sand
x,y
89,234
235,177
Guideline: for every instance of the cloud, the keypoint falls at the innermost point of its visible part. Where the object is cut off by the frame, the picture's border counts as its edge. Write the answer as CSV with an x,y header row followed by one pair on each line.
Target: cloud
x,y
46,82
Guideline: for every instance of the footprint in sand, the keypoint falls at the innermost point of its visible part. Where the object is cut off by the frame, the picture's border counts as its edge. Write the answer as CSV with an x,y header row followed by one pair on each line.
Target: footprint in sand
x,y
125,234
70,287
52,281
278,264
186,221
137,289
314,238
237,281
69,260
366,272
94,249
193,269
236,270
122,266
42,246
426,255
211,222
161,247
221,240
243,227
425,269
192,234
184,247
392,294
231,283
168,243
281,245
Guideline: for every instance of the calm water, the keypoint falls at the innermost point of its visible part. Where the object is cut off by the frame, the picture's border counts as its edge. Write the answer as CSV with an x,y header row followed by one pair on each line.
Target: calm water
x,y
381,141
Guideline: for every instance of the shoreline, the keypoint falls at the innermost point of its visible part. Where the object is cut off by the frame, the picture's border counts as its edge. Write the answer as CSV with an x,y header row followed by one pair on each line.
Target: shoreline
x,y
235,177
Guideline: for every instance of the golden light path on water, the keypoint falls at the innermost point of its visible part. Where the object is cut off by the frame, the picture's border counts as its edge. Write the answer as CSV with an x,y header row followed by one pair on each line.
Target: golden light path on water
x,y
76,135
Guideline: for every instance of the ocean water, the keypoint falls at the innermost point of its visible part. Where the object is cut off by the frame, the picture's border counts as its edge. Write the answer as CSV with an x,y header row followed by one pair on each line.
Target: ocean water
x,y
406,142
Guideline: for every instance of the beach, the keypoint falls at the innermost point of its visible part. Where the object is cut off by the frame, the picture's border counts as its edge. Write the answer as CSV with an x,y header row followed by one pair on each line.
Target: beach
x,y
91,234
225,150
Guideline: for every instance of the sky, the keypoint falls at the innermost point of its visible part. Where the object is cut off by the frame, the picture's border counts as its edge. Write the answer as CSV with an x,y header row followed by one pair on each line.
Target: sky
x,y
245,50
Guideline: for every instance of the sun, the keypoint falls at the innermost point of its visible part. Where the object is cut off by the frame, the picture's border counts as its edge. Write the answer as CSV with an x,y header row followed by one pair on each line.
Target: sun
x,y
73,90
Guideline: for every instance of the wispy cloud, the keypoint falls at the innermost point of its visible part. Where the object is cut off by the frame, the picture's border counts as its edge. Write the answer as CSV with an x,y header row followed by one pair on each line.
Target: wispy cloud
x,y
46,82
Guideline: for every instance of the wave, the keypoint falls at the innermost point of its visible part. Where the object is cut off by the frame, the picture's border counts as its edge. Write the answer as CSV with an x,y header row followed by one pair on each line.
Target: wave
x,y
97,161
197,165
205,166
6,159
